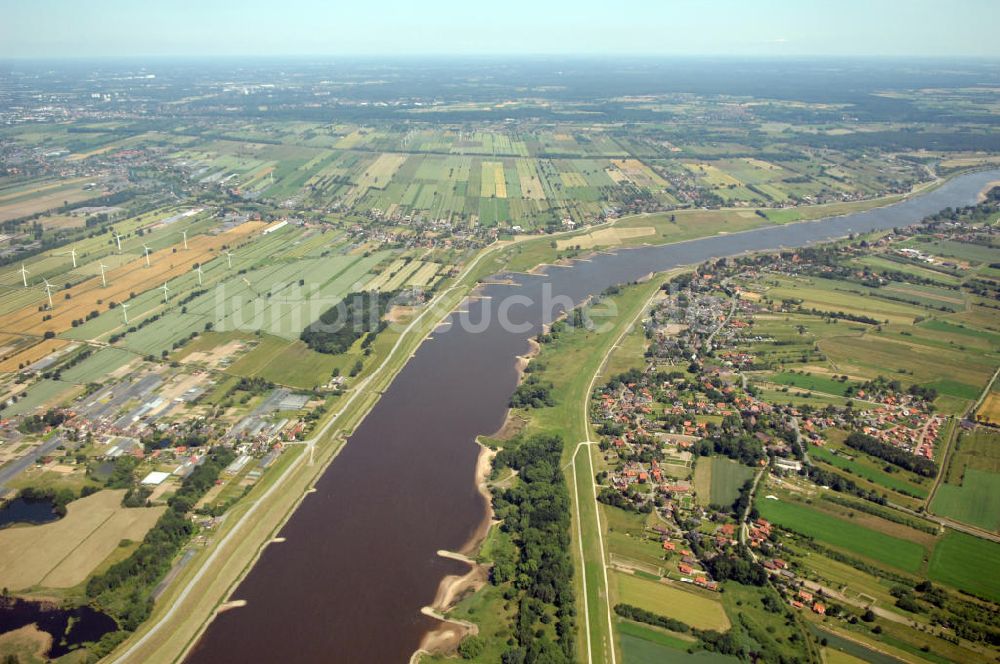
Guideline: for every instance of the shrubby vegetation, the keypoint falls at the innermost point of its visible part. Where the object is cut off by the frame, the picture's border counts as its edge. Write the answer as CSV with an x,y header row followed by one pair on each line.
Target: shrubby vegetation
x,y
535,511
894,455
532,393
341,325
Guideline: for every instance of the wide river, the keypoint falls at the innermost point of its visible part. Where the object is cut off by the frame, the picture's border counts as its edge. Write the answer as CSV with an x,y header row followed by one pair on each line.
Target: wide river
x,y
360,557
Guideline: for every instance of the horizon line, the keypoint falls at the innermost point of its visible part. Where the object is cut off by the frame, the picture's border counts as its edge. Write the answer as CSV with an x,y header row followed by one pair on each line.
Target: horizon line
x,y
510,56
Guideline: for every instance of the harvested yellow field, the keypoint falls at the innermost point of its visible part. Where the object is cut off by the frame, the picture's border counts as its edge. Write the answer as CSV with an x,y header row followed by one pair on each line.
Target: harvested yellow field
x,y
379,280
46,200
616,175
132,277
500,182
62,221
527,176
424,275
761,164
350,140
493,182
40,188
639,173
974,160
378,175
400,277
989,411
27,354
606,237
64,553
713,175
79,156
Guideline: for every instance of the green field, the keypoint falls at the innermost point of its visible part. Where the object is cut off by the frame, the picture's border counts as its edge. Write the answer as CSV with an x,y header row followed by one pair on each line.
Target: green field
x,y
44,392
976,501
810,382
723,477
871,472
97,367
893,551
968,563
970,490
696,609
639,650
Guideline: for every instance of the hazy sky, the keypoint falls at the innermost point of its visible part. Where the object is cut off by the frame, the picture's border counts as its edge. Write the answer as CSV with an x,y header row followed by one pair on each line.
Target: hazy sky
x,y
32,28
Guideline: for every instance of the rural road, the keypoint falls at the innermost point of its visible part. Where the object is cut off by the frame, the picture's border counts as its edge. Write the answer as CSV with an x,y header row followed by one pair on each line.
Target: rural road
x,y
841,597
12,469
744,527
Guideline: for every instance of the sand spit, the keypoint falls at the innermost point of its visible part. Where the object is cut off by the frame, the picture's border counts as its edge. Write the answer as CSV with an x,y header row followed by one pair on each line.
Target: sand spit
x,y
455,587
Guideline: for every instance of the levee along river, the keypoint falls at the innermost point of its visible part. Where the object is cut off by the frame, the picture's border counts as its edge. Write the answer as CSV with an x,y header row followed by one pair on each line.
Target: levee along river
x,y
359,558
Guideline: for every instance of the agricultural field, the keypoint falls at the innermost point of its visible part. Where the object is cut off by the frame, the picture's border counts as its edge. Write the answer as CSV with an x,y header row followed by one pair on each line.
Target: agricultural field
x,y
718,480
62,554
17,202
873,544
698,609
968,563
916,337
970,491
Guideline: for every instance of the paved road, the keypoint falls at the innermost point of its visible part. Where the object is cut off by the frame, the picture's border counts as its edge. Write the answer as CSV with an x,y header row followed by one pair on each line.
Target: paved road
x,y
744,528
8,472
798,441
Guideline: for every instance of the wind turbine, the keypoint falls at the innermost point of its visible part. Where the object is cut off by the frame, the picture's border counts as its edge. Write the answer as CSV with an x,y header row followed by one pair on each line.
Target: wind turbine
x,y
125,311
72,252
250,287
24,274
147,255
104,281
118,239
185,234
198,270
165,290
229,259
48,291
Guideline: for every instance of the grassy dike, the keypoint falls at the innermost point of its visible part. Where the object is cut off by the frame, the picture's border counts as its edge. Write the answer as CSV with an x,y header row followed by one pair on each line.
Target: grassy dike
x,y
571,362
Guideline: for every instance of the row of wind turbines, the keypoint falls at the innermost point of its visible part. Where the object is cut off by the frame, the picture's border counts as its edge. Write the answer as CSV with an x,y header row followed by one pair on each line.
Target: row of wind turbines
x,y
104,280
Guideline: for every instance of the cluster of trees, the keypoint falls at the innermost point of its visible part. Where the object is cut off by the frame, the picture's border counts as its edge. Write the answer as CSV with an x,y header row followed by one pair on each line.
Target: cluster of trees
x,y
842,484
532,393
124,589
535,512
741,447
253,385
840,315
346,322
744,499
883,385
641,615
897,457
38,423
740,568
